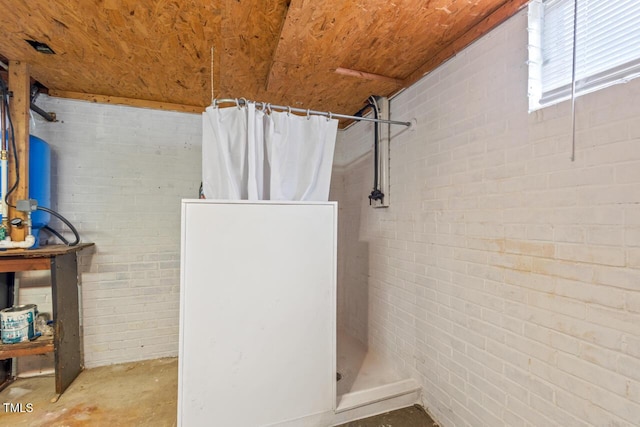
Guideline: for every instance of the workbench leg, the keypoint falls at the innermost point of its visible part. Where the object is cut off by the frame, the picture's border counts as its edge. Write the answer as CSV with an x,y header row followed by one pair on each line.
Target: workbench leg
x,y
7,286
66,315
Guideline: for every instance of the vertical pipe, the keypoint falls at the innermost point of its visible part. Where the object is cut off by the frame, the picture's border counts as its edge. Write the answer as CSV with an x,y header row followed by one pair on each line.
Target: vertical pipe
x,y
4,172
3,187
383,150
3,118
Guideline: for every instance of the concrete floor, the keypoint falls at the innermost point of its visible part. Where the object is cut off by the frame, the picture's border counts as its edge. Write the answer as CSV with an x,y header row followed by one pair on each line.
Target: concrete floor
x,y
131,394
413,416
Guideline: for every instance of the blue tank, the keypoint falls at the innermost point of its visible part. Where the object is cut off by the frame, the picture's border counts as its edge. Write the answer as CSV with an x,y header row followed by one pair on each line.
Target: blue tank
x,y
39,183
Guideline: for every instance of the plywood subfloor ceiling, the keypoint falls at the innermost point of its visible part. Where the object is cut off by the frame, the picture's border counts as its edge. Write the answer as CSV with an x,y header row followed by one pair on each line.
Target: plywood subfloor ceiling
x,y
325,55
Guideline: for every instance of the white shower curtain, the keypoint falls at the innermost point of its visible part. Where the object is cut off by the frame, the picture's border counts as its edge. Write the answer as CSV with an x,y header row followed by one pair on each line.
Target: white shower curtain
x,y
247,154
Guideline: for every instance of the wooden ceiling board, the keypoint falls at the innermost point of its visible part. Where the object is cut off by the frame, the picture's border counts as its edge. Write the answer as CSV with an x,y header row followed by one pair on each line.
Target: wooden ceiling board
x,y
388,38
323,89
315,38
507,9
144,49
250,31
336,32
408,30
279,51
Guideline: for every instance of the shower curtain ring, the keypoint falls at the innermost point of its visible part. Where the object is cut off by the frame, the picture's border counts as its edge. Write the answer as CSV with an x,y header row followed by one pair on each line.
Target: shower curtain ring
x,y
329,117
288,110
308,114
237,103
244,101
215,103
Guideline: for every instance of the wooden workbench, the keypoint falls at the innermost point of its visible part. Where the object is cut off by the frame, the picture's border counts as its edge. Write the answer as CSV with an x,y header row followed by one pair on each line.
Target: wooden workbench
x,y
62,262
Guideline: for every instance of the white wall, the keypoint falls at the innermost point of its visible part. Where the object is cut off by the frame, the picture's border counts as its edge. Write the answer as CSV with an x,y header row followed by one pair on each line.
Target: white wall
x,y
505,277
119,174
351,189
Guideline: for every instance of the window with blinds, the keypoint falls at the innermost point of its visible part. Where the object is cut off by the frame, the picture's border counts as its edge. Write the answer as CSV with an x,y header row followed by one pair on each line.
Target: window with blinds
x,y
607,47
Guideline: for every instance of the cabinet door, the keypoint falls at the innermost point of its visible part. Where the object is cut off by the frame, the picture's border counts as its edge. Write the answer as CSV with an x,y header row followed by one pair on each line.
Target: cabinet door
x,y
257,333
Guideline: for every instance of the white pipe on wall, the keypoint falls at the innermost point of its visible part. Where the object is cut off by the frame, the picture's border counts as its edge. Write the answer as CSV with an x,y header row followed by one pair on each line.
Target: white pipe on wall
x,y
3,156
3,188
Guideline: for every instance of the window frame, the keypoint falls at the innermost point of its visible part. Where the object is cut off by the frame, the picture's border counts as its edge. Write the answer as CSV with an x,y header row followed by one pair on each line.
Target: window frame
x,y
538,98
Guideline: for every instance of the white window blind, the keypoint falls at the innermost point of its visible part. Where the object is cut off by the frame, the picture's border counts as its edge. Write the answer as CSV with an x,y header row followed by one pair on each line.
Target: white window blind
x,y
607,46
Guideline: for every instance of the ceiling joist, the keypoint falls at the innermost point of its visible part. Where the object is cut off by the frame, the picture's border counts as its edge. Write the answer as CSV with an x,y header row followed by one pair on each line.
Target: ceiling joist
x,y
131,102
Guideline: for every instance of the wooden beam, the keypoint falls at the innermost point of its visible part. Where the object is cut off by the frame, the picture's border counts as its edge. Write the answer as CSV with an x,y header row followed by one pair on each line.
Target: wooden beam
x,y
41,345
499,15
20,86
116,100
368,76
24,264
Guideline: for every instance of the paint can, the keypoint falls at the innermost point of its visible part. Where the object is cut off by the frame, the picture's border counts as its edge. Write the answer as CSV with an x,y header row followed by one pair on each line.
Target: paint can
x,y
18,323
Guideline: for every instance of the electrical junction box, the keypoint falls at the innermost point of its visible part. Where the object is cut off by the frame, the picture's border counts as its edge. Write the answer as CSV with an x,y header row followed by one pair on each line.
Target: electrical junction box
x,y
29,205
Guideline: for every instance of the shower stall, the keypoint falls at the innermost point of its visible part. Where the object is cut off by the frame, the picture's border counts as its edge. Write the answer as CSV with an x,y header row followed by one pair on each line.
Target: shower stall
x,y
259,344
370,382
275,298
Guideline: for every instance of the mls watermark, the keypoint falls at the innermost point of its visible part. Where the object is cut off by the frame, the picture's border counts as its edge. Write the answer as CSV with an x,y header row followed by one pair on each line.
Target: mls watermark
x,y
17,407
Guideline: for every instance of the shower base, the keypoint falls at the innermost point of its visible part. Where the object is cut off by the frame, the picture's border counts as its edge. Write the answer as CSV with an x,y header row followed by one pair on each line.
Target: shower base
x,y
369,385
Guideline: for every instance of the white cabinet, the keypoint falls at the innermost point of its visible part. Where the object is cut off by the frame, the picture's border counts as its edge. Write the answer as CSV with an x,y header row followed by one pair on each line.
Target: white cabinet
x,y
257,312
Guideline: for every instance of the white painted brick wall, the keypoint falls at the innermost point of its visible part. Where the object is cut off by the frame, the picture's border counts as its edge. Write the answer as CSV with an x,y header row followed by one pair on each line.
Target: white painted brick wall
x,y
119,174
353,249
504,277
34,288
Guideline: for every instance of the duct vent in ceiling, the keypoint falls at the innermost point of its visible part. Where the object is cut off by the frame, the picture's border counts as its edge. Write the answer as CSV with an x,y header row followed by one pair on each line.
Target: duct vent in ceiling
x,y
41,47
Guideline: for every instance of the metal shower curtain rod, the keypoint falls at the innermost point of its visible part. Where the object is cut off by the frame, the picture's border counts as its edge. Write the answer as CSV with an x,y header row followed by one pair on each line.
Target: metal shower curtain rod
x,y
241,101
